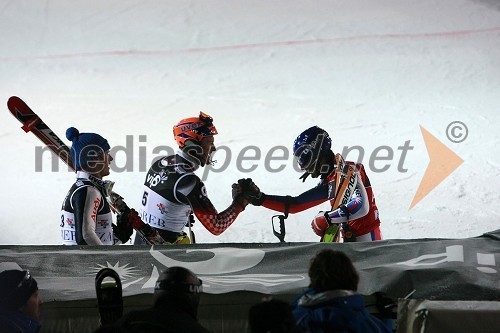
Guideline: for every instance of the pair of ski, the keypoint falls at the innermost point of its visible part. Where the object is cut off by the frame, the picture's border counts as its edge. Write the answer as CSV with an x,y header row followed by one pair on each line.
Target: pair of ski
x,y
342,189
34,124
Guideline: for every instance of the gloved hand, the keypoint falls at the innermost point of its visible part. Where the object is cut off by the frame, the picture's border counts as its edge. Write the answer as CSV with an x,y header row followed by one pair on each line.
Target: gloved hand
x,y
238,196
133,219
236,190
247,188
320,223
124,228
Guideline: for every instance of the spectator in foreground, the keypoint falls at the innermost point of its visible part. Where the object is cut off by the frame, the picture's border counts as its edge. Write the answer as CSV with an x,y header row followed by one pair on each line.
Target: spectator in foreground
x,y
272,316
176,298
331,304
19,302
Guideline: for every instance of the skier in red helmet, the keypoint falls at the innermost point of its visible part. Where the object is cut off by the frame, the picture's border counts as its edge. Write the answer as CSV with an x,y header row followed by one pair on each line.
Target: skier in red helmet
x,y
172,192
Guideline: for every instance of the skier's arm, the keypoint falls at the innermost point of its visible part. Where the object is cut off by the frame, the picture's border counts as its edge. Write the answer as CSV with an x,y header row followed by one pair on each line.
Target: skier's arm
x,y
306,200
86,202
193,190
358,207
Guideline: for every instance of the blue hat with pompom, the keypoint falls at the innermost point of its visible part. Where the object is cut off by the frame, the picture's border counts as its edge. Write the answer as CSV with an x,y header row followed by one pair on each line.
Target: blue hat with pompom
x,y
86,147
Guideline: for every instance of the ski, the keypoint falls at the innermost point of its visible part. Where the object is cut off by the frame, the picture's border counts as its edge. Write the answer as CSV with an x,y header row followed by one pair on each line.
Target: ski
x,y
332,233
343,188
34,124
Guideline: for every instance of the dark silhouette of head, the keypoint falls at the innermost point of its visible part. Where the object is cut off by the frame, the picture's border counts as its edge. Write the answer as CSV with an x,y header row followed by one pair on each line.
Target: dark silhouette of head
x,y
178,286
331,270
19,292
272,316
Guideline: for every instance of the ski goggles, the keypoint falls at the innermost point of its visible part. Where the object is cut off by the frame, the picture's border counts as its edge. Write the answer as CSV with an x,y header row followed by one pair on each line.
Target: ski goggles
x,y
307,159
206,118
208,128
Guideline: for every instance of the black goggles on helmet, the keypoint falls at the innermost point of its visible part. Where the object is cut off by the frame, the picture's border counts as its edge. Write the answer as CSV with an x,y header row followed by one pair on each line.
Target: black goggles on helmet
x,y
26,282
206,118
207,129
307,158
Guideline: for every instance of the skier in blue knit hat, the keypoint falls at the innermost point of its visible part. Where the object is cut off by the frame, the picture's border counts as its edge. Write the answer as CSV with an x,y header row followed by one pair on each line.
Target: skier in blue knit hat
x,y
88,151
86,217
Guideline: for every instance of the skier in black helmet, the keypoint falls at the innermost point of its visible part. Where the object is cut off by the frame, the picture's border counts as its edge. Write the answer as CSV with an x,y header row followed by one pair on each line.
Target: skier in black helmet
x,y
359,217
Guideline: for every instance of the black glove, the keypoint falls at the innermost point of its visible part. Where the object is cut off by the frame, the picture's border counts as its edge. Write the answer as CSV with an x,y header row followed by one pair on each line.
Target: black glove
x,y
251,191
236,191
123,228
238,197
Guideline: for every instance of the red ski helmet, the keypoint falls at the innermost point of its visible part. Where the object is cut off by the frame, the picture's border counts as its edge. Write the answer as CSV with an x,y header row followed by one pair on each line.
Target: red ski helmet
x,y
194,128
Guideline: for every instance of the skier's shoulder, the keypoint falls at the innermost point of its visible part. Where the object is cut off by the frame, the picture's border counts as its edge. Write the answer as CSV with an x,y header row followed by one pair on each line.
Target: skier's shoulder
x,y
80,187
187,182
162,163
81,183
84,189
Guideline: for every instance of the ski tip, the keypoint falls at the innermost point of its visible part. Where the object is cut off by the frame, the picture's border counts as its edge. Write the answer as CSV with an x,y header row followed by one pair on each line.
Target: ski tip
x,y
13,102
13,99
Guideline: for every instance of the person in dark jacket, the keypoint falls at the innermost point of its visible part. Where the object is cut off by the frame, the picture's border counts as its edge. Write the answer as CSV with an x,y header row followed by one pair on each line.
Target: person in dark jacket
x,y
272,316
176,298
19,302
331,304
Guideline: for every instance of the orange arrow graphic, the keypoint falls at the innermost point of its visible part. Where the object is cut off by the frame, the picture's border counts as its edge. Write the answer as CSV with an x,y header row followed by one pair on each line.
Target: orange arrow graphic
x,y
442,163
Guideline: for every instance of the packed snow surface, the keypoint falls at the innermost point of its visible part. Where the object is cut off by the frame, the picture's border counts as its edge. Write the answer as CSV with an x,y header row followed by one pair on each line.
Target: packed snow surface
x,y
371,73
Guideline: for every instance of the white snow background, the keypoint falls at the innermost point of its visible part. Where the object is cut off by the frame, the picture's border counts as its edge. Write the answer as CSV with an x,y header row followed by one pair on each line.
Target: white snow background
x,y
369,72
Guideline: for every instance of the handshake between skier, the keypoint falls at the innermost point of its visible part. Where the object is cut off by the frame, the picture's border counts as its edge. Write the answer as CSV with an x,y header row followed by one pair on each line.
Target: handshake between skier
x,y
246,189
172,194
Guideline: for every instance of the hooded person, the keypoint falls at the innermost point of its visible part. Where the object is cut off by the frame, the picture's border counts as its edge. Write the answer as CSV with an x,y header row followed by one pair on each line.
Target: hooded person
x,y
331,303
19,302
86,217
172,192
176,300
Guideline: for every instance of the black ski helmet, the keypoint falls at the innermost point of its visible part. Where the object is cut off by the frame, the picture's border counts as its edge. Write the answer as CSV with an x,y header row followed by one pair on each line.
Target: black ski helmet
x,y
310,145
181,286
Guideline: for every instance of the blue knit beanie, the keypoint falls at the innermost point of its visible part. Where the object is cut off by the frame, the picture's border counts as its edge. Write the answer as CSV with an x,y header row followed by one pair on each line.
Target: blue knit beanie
x,y
86,147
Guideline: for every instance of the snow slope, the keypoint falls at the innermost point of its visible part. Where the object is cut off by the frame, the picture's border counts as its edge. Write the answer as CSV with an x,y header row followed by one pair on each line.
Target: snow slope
x,y
368,72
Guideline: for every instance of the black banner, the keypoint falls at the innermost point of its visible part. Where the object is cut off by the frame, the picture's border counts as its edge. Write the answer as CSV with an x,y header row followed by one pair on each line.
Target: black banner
x,y
445,269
